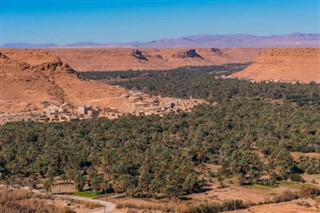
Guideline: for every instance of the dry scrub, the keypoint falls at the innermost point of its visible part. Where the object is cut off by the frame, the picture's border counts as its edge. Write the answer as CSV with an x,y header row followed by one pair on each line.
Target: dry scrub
x,y
152,207
86,204
21,201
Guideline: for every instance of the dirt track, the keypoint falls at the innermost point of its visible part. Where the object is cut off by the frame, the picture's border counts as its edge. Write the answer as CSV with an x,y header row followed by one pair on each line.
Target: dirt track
x,y
108,206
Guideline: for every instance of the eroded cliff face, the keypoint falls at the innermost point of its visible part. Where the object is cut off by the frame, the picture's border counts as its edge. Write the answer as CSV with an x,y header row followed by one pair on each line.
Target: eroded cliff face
x,y
25,80
30,78
192,53
284,64
150,59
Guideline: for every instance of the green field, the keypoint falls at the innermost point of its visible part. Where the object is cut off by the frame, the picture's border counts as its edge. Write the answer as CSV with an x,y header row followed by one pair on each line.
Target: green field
x,y
261,187
286,183
89,194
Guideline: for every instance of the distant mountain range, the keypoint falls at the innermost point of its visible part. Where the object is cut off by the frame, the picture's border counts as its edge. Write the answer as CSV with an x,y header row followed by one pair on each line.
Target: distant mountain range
x,y
196,41
27,45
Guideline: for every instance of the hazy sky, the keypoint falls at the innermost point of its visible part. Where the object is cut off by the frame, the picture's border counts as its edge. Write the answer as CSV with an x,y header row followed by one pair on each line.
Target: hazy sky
x,y
68,21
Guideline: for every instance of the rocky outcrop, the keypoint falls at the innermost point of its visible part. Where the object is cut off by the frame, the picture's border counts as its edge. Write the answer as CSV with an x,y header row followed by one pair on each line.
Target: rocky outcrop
x,y
139,55
7,62
155,56
3,56
216,51
192,53
55,66
284,64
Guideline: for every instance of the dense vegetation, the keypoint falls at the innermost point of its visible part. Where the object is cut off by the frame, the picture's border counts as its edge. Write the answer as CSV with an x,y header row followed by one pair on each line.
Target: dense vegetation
x,y
165,156
310,165
206,83
212,89
189,70
160,156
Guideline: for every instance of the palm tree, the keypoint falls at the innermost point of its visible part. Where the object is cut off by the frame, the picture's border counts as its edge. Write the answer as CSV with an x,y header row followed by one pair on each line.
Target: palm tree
x,y
48,185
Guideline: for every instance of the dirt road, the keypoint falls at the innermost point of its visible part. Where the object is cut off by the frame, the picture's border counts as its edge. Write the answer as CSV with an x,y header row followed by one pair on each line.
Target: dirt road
x,y
108,206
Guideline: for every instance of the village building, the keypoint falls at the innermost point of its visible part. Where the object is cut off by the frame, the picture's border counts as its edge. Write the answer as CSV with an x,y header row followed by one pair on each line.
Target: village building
x,y
89,111
82,110
171,104
134,99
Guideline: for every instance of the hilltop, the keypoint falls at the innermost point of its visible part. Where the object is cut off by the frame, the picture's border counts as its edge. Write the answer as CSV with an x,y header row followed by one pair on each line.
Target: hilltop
x,y
32,78
284,64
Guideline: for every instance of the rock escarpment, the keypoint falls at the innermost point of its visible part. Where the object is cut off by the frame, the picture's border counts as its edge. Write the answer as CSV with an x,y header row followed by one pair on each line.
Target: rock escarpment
x,y
31,78
284,64
192,53
139,55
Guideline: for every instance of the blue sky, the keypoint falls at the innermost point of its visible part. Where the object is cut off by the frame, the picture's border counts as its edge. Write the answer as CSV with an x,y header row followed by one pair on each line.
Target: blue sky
x,y
68,21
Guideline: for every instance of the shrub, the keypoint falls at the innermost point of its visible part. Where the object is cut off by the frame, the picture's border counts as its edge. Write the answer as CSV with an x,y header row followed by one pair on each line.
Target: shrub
x,y
150,207
267,182
296,178
229,205
232,205
285,196
211,174
303,203
221,185
309,191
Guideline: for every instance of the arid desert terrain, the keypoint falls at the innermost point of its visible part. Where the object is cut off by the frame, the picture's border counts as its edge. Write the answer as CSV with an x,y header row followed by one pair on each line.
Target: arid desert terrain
x,y
160,130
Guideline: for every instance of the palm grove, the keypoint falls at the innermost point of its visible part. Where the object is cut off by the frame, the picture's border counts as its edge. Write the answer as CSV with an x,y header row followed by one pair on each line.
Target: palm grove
x,y
246,135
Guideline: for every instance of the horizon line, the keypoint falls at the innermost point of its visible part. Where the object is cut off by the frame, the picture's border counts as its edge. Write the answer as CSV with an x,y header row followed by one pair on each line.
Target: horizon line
x,y
149,41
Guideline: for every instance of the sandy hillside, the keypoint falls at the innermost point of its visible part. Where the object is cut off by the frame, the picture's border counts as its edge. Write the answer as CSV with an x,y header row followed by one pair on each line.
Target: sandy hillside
x,y
31,77
284,64
150,59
